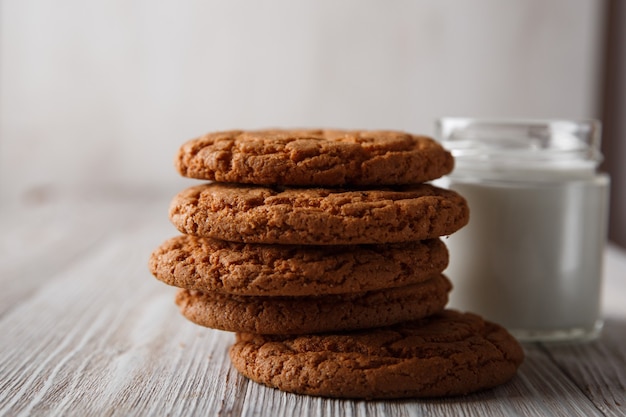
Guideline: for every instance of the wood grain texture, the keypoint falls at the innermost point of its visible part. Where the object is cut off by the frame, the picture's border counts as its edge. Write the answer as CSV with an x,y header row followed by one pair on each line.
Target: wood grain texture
x,y
86,330
606,390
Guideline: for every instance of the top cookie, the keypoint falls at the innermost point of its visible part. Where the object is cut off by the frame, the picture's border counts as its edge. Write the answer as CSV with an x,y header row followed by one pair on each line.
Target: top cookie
x,y
327,158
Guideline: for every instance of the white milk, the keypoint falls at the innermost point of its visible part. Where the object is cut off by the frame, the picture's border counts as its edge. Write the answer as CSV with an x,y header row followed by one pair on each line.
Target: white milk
x,y
531,256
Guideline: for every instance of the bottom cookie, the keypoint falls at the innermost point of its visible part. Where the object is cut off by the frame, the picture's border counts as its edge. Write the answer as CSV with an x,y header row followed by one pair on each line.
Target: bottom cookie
x,y
302,315
447,354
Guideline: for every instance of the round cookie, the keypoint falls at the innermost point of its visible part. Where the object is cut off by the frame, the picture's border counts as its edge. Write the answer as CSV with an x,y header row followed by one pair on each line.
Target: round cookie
x,y
314,158
447,354
317,216
300,315
206,264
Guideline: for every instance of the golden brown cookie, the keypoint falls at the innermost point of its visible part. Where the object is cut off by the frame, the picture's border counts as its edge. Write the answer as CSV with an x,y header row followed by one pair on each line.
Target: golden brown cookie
x,y
317,216
206,264
314,158
443,355
299,315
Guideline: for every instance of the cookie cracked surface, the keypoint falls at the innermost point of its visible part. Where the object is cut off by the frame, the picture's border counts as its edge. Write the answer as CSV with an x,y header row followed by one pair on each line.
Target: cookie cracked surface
x,y
447,354
317,216
300,315
206,264
310,157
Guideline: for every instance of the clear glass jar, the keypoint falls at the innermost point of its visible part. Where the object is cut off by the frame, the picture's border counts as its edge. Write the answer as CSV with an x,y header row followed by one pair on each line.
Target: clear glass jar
x,y
531,256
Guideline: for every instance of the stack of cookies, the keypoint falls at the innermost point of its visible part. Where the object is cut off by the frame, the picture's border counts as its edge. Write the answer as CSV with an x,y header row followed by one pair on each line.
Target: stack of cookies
x,y
321,250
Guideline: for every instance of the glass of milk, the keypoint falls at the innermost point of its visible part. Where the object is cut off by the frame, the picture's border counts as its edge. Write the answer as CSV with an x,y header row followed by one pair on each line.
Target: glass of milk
x,y
531,256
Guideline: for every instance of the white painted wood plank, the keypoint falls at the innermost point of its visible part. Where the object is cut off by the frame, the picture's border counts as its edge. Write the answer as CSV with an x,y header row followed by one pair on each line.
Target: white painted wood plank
x,y
598,368
38,249
37,242
59,329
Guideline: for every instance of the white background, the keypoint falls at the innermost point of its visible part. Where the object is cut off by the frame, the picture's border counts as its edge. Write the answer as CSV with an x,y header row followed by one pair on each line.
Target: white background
x,y
96,96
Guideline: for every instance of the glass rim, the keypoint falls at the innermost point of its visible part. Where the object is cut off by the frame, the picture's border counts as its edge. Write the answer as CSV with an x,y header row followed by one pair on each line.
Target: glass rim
x,y
516,122
539,139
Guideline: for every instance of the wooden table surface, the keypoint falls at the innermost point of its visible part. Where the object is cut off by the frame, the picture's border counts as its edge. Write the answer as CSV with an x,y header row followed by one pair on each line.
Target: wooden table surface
x,y
87,331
